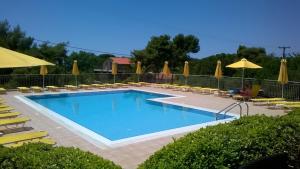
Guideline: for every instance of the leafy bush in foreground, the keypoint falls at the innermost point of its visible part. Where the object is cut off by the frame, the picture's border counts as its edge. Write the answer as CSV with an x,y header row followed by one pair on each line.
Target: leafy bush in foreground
x,y
42,156
233,144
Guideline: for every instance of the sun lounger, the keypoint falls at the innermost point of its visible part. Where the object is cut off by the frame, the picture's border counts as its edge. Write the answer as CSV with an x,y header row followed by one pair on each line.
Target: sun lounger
x,y
196,89
9,115
287,102
207,90
114,85
121,84
6,109
137,84
2,90
124,85
267,99
144,83
71,87
98,86
176,87
39,140
157,85
270,104
53,88
22,137
221,93
291,106
36,89
85,86
166,86
285,107
3,106
172,86
23,89
184,88
130,83
13,121
108,85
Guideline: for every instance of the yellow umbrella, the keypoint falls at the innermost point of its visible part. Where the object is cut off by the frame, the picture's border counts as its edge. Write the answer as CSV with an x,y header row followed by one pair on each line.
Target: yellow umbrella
x,y
283,75
11,59
218,72
43,72
186,71
138,69
75,70
244,64
114,70
166,70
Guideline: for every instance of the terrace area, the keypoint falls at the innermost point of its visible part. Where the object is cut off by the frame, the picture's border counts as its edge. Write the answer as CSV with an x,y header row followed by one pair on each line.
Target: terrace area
x,y
130,155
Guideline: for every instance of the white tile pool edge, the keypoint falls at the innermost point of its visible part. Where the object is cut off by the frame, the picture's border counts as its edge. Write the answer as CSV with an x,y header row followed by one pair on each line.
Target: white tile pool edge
x,y
103,142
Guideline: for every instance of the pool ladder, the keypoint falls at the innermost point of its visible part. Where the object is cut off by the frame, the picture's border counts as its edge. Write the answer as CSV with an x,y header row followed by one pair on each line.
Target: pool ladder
x,y
232,106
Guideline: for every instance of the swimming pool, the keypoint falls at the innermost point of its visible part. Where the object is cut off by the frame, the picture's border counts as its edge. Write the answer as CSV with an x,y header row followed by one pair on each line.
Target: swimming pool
x,y
121,114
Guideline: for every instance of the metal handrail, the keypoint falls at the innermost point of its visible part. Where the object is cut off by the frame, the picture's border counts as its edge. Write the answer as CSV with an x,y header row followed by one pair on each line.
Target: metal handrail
x,y
232,106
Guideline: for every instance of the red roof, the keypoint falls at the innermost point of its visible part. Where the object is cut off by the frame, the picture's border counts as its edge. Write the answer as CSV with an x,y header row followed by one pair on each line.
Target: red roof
x,y
121,61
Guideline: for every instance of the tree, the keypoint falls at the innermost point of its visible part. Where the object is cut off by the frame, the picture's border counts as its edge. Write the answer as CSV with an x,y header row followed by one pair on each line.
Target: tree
x,y
163,48
87,62
14,39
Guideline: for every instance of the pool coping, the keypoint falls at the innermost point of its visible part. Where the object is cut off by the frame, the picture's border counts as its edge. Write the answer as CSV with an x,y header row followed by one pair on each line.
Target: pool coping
x,y
103,142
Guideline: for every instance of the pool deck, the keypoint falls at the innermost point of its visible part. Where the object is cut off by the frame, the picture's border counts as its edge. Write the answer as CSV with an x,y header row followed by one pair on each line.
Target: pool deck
x,y
128,156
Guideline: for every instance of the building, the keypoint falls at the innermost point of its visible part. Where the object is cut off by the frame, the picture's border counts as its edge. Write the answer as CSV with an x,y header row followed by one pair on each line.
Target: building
x,y
124,65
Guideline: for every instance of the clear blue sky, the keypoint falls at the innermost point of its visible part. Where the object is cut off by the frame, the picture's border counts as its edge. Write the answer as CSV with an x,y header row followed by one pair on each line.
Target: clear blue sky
x,y
120,26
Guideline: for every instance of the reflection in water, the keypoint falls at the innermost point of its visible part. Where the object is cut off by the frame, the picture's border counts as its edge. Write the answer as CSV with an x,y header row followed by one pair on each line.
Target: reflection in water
x,y
113,104
164,105
75,108
138,103
184,111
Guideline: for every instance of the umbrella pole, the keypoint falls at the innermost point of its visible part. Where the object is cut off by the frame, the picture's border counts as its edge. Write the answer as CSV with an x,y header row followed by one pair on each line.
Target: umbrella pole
x,y
282,90
243,78
186,81
218,83
43,82
138,78
114,78
76,80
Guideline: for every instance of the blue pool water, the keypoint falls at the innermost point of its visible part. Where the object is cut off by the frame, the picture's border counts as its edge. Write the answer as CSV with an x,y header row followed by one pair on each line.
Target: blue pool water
x,y
122,114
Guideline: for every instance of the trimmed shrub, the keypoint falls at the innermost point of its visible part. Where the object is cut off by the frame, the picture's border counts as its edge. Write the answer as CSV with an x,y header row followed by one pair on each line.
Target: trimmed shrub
x,y
233,144
42,156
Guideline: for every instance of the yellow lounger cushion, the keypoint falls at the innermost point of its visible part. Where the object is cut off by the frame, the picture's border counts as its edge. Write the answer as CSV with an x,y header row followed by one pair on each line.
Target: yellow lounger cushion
x,y
2,90
70,86
42,140
285,103
3,106
23,88
8,115
292,106
6,109
84,85
53,87
36,87
267,99
13,121
22,137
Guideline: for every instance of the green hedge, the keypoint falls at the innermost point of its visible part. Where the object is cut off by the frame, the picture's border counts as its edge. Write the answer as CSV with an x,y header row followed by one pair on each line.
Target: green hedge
x,y
42,156
233,144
